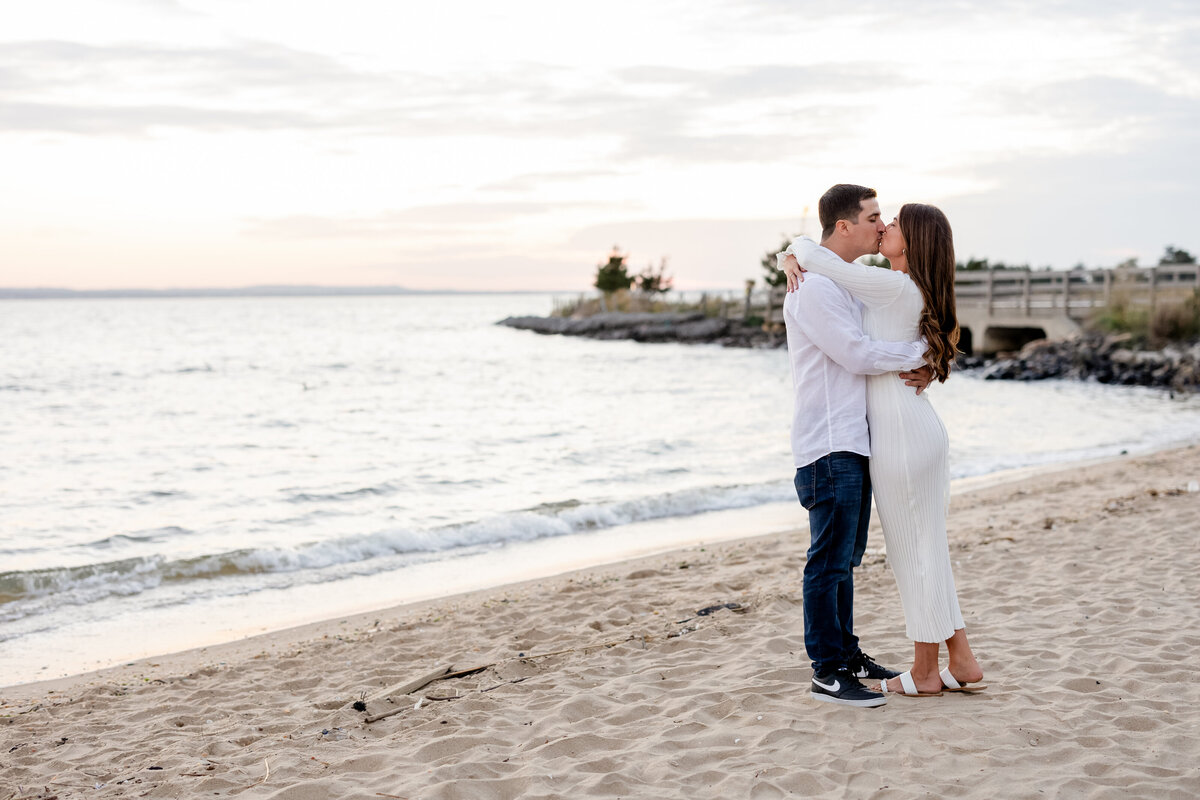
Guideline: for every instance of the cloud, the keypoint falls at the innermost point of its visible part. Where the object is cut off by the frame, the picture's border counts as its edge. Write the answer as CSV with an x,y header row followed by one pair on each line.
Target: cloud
x,y
129,120
941,11
759,81
648,112
1096,100
532,181
1096,208
434,218
676,146
53,64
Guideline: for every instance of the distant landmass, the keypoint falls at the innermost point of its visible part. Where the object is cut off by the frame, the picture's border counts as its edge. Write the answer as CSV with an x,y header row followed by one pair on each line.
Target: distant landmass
x,y
245,291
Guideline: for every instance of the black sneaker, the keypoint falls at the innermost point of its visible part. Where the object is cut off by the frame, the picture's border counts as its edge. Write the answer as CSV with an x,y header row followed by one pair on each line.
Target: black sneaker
x,y
843,688
863,666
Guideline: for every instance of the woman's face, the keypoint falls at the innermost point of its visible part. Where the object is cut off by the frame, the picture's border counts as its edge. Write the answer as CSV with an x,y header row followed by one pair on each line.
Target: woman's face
x,y
893,244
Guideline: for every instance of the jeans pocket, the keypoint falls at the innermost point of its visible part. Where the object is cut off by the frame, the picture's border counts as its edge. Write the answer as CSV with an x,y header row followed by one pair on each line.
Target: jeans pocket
x,y
806,485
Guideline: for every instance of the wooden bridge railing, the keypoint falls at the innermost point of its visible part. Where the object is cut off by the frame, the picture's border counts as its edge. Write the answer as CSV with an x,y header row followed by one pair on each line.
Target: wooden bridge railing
x,y
1075,293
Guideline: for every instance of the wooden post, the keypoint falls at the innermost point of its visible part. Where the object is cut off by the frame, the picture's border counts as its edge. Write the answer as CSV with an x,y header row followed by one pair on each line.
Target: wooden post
x,y
1108,284
1153,289
749,292
1026,290
766,326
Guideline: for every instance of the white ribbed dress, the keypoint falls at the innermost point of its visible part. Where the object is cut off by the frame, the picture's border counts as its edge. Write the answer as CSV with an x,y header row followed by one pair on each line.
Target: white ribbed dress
x,y
910,474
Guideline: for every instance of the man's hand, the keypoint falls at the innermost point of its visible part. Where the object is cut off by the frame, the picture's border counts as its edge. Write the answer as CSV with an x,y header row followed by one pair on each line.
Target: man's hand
x,y
920,378
795,273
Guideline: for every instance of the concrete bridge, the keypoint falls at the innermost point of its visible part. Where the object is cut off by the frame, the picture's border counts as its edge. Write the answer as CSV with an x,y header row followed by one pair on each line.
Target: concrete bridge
x,y
1005,309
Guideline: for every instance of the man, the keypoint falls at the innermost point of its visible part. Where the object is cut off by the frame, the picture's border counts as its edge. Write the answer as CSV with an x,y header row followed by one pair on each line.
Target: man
x,y
830,356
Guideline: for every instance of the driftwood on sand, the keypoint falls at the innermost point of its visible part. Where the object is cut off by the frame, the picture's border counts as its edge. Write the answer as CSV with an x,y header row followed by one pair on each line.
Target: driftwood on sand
x,y
387,702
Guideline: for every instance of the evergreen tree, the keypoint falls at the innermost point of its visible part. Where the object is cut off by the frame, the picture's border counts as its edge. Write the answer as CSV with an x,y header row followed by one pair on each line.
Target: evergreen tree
x,y
614,275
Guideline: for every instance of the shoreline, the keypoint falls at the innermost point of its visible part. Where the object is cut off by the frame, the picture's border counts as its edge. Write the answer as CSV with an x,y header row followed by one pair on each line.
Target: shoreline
x,y
219,618
1077,586
524,564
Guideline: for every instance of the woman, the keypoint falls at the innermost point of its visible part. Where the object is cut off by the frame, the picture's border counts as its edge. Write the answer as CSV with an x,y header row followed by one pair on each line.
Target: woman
x,y
909,448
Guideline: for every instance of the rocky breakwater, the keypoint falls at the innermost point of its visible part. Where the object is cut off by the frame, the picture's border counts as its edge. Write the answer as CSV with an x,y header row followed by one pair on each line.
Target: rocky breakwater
x,y
650,327
1102,358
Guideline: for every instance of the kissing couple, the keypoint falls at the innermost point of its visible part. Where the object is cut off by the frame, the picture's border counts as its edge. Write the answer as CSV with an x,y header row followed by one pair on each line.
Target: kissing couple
x,y
864,343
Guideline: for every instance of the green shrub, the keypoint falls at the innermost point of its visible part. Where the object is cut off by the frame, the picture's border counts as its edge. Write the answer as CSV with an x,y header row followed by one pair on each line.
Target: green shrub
x,y
1120,316
1178,321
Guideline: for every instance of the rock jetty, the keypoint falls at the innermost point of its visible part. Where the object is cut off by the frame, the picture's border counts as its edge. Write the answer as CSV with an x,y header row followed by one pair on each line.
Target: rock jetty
x,y
692,328
1102,358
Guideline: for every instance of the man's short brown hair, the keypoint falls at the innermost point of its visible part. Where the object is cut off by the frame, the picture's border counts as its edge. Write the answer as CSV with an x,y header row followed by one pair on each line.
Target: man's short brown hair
x,y
843,201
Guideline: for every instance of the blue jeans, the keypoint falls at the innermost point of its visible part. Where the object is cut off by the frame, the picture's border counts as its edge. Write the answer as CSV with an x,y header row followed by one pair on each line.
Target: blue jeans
x,y
836,490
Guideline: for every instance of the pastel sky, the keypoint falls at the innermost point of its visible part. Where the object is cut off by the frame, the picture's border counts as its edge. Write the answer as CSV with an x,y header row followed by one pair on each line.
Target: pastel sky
x,y
480,145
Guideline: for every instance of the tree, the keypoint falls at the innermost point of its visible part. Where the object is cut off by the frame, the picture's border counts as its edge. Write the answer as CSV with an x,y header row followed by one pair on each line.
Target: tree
x,y
1173,255
775,276
613,276
877,261
652,281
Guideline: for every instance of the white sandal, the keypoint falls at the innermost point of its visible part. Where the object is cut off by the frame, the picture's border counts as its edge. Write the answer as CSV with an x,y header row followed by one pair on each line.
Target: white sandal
x,y
949,684
909,687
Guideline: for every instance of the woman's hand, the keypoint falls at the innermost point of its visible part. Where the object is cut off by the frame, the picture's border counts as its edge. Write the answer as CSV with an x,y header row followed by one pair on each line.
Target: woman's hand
x,y
919,378
795,272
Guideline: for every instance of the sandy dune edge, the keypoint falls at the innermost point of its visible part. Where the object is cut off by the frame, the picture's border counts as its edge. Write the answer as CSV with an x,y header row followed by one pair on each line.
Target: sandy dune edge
x,y
1081,591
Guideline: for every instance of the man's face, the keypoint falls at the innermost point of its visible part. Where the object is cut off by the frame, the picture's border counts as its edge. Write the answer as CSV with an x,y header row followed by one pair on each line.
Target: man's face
x,y
867,230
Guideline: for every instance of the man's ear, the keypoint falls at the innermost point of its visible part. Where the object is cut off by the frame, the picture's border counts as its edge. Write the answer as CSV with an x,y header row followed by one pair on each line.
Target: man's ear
x,y
842,226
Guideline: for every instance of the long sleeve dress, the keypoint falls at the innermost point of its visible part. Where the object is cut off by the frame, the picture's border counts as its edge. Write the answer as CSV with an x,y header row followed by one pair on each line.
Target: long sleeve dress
x,y
910,474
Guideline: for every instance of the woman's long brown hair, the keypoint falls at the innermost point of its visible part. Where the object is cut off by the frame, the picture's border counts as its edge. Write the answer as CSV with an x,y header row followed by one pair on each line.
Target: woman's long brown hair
x,y
930,249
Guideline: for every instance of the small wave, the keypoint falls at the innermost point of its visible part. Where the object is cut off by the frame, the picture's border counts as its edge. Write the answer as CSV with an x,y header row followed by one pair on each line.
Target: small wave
x,y
555,507
381,490
36,591
81,584
138,537
155,495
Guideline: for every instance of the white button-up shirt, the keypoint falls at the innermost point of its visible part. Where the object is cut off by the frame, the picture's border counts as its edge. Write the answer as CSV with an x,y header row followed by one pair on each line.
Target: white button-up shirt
x,y
830,356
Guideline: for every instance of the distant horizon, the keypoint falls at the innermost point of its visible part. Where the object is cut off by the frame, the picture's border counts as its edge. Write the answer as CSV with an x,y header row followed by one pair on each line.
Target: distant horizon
x,y
255,290
351,290
284,290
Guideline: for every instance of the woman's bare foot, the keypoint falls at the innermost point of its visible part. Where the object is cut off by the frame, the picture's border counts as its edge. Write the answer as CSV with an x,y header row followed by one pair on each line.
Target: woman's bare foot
x,y
963,665
966,670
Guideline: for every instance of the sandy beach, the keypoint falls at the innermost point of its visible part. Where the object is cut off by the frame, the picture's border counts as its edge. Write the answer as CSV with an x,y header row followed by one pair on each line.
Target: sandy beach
x,y
1081,591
